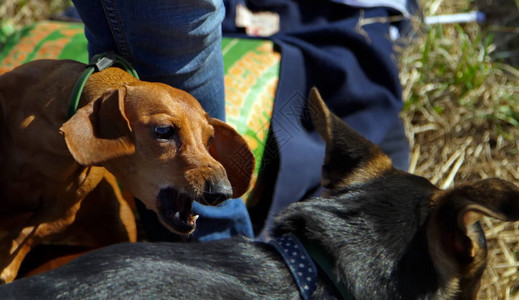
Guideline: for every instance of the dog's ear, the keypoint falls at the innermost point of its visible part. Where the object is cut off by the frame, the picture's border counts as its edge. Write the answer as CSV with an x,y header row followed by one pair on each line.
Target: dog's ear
x,y
350,158
230,149
99,131
456,240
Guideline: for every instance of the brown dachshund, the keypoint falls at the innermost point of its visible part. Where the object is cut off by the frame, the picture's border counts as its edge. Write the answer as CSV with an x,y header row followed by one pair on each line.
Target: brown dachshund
x,y
156,140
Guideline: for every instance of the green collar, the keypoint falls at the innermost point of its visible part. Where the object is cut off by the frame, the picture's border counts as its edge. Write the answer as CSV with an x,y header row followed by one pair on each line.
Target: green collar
x,y
98,63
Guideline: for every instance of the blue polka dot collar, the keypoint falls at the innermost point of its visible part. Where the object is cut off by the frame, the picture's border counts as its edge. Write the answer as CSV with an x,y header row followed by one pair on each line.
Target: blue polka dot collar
x,y
299,263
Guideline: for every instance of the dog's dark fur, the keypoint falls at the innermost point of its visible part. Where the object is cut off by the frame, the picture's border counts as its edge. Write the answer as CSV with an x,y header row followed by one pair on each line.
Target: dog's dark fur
x,y
389,234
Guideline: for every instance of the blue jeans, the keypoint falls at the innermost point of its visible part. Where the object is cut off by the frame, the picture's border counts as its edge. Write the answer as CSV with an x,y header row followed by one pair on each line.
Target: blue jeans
x,y
177,43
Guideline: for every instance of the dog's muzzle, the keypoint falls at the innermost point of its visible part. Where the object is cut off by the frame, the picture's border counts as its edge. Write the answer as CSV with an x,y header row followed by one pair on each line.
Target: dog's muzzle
x,y
175,208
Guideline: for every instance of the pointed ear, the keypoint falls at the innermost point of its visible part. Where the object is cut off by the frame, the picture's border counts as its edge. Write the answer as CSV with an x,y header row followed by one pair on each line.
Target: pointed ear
x,y
454,224
230,149
99,131
350,158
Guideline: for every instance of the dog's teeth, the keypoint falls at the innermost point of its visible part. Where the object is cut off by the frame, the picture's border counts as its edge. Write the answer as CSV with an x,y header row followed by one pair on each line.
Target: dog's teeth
x,y
192,220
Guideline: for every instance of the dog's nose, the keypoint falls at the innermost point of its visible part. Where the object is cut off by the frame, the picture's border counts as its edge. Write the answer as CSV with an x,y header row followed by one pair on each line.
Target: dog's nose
x,y
217,193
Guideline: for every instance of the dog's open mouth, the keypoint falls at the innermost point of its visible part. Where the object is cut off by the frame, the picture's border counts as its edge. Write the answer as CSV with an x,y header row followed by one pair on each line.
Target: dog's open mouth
x,y
175,211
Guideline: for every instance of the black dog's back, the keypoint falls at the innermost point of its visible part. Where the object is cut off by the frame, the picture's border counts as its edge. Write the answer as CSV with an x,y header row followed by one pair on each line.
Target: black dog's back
x,y
386,234
164,271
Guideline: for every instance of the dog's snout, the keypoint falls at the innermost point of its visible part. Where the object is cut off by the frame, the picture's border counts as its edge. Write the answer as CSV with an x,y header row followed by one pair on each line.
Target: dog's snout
x,y
215,193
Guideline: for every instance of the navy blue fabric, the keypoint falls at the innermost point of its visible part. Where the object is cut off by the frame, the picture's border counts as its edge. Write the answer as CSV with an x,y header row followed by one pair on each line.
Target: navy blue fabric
x,y
353,67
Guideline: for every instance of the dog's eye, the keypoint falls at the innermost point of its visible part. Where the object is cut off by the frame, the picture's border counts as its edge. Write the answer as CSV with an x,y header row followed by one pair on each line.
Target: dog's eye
x,y
164,132
210,141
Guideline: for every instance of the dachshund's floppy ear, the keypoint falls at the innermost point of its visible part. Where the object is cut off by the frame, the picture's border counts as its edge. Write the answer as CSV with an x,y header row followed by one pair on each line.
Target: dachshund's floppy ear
x,y
99,131
230,149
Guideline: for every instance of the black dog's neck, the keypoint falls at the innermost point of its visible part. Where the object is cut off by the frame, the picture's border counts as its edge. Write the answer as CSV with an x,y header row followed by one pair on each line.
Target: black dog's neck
x,y
326,265
362,244
302,261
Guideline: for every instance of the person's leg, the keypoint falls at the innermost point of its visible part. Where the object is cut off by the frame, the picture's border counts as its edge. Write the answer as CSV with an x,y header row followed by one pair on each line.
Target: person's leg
x,y
228,219
97,29
177,43
174,42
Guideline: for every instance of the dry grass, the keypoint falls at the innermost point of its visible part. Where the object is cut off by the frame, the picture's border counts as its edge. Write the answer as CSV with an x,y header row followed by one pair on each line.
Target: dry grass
x,y
461,115
462,120
23,12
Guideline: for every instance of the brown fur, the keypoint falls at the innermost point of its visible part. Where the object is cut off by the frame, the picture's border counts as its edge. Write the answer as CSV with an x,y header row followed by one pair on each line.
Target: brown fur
x,y
49,165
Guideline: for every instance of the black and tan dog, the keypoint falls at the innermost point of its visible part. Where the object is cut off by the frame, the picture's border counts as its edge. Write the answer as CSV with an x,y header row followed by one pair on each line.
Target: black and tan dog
x,y
378,233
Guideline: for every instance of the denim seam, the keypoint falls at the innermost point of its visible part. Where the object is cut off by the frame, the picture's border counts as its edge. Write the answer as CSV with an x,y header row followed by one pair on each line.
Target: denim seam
x,y
117,29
